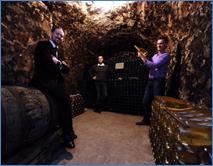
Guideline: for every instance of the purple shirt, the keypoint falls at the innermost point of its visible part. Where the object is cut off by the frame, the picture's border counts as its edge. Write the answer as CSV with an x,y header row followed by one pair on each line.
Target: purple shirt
x,y
158,65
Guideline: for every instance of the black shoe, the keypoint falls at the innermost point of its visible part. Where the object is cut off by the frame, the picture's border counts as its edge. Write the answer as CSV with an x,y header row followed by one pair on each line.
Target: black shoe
x,y
68,141
143,123
69,144
75,136
72,135
97,110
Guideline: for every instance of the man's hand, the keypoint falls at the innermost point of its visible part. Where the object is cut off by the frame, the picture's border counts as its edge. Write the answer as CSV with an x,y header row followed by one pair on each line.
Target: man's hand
x,y
94,78
64,63
143,56
55,60
142,53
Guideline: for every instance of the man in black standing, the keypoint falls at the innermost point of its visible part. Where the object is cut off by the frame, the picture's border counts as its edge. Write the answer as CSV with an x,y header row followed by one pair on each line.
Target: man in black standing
x,y
49,67
99,74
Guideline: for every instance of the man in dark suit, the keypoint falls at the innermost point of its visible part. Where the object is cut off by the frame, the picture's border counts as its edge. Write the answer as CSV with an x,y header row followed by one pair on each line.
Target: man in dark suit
x,y
49,67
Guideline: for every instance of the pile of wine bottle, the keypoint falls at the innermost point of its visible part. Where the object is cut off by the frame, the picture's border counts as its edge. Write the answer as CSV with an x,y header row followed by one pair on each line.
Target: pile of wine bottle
x,y
180,133
77,104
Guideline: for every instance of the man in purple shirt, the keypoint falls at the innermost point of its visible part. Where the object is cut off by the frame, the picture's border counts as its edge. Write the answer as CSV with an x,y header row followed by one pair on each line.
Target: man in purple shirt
x,y
156,83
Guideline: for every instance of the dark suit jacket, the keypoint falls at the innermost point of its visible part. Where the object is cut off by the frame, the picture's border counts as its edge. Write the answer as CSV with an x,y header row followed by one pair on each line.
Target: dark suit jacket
x,y
46,72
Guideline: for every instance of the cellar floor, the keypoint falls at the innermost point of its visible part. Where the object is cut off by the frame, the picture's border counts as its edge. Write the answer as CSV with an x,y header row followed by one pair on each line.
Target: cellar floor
x,y
107,138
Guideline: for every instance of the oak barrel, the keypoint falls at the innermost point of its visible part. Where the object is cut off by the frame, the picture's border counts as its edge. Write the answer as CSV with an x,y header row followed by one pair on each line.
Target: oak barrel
x,y
27,114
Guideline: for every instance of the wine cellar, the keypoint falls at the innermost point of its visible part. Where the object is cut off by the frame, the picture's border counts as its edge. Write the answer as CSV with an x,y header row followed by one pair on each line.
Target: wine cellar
x,y
180,128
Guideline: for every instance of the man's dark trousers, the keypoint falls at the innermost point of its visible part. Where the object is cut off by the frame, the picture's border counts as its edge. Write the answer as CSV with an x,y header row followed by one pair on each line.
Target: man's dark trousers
x,y
101,91
154,87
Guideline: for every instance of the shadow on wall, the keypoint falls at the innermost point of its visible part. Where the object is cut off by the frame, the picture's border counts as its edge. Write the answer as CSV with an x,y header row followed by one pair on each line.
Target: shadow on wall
x,y
174,85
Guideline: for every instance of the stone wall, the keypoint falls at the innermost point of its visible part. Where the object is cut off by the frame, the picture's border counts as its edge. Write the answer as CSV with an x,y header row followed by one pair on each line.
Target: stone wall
x,y
188,26
88,33
23,24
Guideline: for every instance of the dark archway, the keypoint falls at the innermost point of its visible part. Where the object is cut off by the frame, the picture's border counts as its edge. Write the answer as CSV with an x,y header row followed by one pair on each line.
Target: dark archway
x,y
120,41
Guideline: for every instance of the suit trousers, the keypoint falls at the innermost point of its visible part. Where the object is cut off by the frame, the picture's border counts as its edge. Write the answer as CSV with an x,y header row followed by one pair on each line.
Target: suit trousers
x,y
57,91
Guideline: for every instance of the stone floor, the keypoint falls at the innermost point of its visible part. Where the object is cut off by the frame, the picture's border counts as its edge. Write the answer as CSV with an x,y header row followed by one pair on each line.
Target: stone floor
x,y
107,138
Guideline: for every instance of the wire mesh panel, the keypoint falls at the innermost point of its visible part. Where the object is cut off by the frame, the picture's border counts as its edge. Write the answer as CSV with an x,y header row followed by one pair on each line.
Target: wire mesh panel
x,y
126,94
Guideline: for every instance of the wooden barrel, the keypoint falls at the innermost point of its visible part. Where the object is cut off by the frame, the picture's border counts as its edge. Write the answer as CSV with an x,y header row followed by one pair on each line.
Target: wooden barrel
x,y
27,115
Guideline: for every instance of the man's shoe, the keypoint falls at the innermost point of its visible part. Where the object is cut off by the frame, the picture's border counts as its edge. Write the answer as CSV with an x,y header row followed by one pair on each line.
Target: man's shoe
x,y
69,144
143,123
71,135
97,110
75,136
68,140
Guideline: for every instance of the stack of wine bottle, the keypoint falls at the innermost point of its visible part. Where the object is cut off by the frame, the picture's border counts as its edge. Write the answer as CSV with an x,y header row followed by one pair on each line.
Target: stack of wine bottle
x,y
77,103
180,133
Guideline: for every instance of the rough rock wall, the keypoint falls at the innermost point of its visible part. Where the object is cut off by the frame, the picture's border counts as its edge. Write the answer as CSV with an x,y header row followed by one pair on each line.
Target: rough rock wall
x,y
75,25
190,32
23,24
187,25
